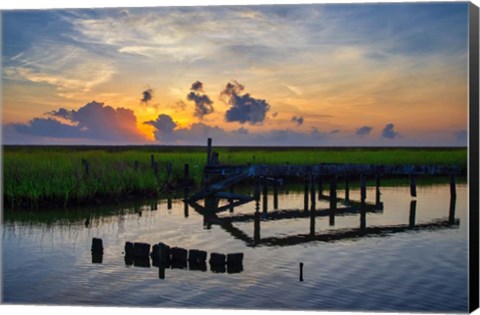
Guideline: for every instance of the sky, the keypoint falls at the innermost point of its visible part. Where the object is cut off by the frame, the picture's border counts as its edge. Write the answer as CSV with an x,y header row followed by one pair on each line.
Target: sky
x,y
294,75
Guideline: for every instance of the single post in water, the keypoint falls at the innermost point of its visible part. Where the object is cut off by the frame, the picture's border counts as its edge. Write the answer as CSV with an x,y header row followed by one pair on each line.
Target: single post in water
x,y
230,201
453,190
413,213
413,186
312,222
257,188
451,214
301,272
363,216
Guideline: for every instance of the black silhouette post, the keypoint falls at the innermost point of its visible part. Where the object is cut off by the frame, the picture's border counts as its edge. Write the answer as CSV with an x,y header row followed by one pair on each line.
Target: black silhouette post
x,y
413,213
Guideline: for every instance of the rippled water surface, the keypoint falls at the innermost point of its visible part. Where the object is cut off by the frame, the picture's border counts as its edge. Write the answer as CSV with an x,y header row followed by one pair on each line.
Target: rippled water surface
x,y
399,258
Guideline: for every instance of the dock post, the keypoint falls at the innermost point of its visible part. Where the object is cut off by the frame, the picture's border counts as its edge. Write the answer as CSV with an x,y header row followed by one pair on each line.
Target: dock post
x,y
363,216
265,194
333,192
209,150
256,228
413,213
169,200
320,187
413,186
363,188
377,189
230,201
333,199
257,188
312,192
453,190
347,189
186,174
305,196
275,193
451,214
312,221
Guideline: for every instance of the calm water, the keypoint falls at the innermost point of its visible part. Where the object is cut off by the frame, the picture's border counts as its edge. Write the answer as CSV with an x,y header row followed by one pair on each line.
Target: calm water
x,y
387,267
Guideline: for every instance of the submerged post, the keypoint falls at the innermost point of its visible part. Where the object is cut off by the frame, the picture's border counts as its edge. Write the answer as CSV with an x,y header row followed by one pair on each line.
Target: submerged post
x,y
209,150
451,214
256,228
257,188
301,272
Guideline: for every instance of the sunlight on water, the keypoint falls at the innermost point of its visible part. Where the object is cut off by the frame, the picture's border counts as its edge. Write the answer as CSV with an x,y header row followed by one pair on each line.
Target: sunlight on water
x,y
396,257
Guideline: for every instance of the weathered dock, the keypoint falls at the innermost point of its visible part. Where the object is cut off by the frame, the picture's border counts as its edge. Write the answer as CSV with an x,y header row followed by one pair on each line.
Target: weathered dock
x,y
219,179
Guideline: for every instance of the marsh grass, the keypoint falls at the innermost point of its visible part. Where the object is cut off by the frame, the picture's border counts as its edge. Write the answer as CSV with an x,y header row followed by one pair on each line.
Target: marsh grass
x,y
55,176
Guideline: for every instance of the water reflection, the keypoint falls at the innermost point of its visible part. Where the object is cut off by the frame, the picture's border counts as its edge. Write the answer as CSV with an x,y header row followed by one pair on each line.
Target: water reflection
x,y
210,216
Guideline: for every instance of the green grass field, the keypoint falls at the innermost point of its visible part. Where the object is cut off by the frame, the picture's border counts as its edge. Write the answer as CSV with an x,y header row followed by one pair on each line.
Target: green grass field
x,y
56,176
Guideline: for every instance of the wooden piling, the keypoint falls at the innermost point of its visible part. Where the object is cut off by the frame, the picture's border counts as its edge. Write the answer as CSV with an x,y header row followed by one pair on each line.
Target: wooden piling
x,y
413,212
451,214
453,190
256,228
230,201
347,189
265,194
209,150
305,199
363,216
363,188
377,189
312,192
333,192
301,272
275,193
169,201
257,188
320,187
312,221
413,186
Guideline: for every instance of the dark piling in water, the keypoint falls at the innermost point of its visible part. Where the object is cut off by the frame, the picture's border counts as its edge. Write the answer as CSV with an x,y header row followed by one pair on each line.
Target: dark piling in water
x,y
347,189
305,196
453,190
312,193
413,186
413,212
377,189
451,213
363,188
97,251
265,194
320,187
301,272
256,228
275,193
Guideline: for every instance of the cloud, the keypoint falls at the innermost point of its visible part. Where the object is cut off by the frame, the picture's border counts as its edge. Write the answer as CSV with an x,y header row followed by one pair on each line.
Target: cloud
x,y
94,121
203,103
197,86
389,133
164,125
147,96
244,108
364,131
298,120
